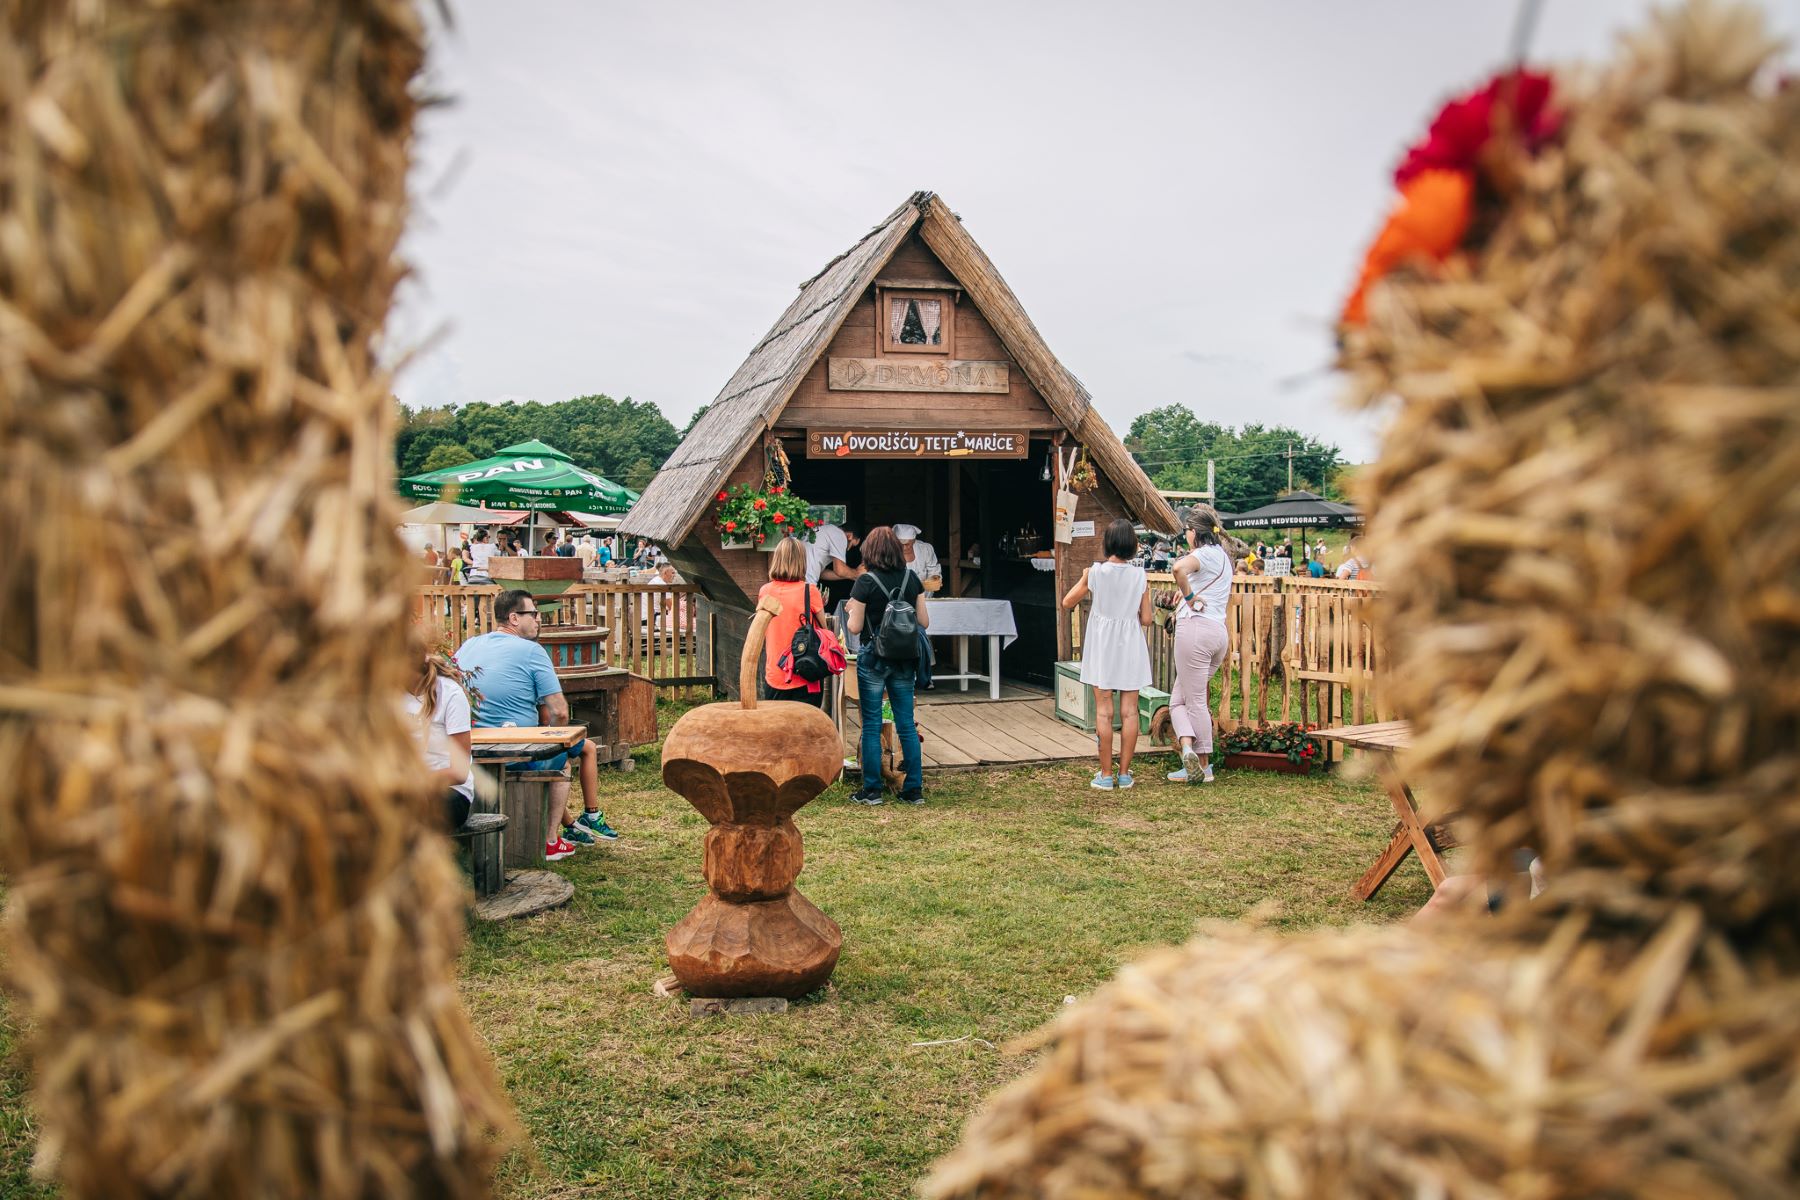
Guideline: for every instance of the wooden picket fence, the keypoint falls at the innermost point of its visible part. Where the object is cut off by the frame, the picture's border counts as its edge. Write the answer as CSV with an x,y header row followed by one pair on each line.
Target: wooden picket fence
x,y
651,630
1301,650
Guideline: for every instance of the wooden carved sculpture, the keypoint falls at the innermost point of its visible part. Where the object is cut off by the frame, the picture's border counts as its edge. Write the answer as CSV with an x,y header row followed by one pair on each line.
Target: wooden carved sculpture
x,y
748,769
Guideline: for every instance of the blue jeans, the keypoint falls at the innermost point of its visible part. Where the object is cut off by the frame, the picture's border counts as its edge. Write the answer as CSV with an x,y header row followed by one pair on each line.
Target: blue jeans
x,y
873,674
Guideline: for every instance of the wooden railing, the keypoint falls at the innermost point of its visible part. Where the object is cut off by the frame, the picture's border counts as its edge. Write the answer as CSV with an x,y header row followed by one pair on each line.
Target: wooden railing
x,y
651,629
1301,650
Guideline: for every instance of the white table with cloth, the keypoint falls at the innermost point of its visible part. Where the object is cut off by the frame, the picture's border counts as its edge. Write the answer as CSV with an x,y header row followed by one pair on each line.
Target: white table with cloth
x,y
963,619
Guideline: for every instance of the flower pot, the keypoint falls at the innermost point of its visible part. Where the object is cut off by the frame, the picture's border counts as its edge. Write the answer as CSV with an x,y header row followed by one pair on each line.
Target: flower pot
x,y
1263,760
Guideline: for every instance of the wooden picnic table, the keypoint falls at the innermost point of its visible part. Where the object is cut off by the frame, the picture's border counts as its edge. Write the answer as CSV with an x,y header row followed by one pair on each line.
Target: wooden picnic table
x,y
1384,740
525,891
504,744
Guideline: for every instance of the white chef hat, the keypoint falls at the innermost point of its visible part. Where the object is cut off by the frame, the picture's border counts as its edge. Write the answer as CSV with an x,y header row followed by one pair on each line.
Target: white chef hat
x,y
907,533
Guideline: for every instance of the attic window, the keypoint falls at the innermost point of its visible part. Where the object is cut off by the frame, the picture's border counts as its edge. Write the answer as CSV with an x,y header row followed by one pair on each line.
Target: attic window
x,y
915,322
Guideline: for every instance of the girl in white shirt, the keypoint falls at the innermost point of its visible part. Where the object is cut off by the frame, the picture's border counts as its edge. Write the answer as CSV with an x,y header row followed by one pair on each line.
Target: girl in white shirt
x,y
1115,657
441,726
1203,577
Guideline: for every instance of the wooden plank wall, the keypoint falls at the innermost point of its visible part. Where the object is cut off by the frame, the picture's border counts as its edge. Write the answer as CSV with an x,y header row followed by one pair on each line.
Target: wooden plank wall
x,y
814,405
1301,650
651,629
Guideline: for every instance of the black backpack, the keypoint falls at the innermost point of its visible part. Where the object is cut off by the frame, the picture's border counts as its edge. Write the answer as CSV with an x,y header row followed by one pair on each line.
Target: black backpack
x,y
898,637
806,654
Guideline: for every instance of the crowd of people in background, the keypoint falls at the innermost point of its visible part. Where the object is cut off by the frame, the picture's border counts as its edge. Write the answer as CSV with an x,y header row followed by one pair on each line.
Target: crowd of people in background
x,y
893,575
467,557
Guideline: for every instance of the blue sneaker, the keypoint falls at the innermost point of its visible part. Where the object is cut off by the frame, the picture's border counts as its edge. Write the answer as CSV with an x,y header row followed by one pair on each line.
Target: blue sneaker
x,y
1124,781
1102,782
1180,776
575,833
595,823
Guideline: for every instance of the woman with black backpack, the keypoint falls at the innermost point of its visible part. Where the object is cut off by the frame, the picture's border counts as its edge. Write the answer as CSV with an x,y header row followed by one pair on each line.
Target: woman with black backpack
x,y
887,608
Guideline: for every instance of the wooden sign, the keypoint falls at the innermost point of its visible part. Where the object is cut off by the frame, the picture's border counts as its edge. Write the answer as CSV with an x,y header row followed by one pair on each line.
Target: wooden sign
x,y
916,443
913,375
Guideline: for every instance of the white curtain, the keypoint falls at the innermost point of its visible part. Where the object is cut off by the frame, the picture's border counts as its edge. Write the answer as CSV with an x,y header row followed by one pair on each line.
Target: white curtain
x,y
896,320
931,316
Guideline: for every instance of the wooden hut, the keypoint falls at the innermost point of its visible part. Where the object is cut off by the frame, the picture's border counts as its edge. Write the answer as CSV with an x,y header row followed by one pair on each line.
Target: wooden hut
x,y
952,432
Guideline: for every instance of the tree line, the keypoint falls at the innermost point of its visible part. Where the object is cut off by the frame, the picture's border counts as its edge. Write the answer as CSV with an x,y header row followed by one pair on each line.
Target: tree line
x,y
624,440
1251,463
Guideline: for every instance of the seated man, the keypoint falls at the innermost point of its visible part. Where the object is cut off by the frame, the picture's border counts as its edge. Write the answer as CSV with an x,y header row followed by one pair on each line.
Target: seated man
x,y
518,686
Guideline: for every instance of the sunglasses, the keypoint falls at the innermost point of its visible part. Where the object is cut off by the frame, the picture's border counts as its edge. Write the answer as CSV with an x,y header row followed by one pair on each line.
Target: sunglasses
x,y
525,612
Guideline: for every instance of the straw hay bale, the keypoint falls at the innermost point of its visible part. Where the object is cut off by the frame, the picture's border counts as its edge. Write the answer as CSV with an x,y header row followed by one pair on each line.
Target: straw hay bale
x,y
1585,508
236,943
1372,1062
1586,523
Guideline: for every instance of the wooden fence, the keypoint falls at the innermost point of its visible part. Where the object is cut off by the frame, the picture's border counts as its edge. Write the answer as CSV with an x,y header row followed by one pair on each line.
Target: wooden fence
x,y
1301,650
651,629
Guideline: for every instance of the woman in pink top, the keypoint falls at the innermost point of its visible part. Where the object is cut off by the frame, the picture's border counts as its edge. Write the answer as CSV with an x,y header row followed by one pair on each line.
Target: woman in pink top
x,y
787,584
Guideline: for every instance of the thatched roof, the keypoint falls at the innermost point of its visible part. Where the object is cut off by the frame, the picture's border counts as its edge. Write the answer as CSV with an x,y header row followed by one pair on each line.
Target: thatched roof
x,y
751,402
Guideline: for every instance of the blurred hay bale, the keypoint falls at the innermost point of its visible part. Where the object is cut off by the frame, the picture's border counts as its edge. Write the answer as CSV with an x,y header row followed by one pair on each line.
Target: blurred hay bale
x,y
1585,507
1378,1063
1589,540
234,937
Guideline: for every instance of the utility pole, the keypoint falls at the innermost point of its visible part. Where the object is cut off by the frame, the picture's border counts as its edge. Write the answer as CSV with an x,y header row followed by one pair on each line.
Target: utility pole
x,y
1290,466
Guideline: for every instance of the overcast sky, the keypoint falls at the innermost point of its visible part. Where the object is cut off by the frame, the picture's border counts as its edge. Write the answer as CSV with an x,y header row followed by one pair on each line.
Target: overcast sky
x,y
624,196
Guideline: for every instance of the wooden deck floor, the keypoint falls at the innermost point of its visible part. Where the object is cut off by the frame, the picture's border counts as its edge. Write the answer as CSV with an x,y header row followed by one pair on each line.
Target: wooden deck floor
x,y
992,733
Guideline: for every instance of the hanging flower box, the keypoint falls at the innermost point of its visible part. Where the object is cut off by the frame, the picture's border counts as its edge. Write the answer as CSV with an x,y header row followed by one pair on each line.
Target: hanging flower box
x,y
749,519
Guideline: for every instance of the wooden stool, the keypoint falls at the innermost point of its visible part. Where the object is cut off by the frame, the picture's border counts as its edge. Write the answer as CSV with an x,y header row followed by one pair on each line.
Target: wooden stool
x,y
478,846
525,800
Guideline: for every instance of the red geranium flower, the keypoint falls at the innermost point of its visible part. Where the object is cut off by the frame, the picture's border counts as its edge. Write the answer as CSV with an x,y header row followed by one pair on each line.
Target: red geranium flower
x,y
730,525
775,491
759,538
723,497
779,518
760,504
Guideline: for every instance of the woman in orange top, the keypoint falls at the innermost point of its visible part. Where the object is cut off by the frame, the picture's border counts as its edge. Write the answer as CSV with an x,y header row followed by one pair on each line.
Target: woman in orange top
x,y
787,584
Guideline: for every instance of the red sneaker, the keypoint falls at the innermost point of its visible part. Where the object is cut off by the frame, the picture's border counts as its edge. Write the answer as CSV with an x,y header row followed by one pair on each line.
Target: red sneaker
x,y
557,850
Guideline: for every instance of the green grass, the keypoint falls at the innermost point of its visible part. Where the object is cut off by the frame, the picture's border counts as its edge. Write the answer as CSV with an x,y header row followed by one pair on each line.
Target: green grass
x,y
975,914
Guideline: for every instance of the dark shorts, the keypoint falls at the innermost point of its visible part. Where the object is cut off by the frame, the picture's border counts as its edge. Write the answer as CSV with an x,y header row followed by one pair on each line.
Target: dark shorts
x,y
799,694
555,762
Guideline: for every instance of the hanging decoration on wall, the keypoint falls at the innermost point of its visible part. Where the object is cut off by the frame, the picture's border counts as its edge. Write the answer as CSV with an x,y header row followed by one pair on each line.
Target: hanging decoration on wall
x,y
776,472
1083,477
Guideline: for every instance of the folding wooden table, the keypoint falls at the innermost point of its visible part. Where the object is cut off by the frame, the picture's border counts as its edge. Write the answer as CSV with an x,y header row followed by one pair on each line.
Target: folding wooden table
x,y
1411,835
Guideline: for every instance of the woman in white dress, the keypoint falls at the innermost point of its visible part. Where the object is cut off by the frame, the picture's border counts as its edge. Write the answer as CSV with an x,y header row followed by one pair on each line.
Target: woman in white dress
x,y
1115,657
1203,577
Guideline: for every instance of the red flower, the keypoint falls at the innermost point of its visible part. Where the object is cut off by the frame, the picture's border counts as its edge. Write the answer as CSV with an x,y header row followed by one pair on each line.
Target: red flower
x,y
1307,751
730,525
775,491
779,518
759,539
723,497
1517,103
760,505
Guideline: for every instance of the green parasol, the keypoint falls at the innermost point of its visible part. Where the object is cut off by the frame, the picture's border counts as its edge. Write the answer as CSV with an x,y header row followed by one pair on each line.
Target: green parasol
x,y
529,475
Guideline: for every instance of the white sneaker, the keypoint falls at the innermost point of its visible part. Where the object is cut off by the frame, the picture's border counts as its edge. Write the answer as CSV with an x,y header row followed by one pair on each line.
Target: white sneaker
x,y
1190,766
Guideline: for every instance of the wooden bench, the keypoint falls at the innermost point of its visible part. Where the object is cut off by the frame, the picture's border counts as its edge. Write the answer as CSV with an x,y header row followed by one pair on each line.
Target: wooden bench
x,y
478,847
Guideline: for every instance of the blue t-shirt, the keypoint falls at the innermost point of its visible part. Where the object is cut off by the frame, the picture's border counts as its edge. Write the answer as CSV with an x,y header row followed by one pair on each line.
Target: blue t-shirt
x,y
1316,569
512,675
